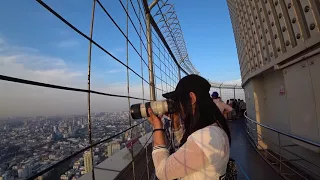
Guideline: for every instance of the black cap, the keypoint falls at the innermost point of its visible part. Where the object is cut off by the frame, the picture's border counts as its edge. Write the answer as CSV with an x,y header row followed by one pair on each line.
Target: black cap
x,y
191,83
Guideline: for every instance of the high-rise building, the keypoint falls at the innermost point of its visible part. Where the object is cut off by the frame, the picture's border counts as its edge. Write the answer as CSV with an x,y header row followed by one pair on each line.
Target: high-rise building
x,y
22,173
73,122
87,161
113,147
70,129
55,129
38,178
4,176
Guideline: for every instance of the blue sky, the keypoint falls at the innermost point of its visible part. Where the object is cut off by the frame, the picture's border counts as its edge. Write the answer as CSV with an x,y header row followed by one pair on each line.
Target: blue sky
x,y
210,41
206,27
36,45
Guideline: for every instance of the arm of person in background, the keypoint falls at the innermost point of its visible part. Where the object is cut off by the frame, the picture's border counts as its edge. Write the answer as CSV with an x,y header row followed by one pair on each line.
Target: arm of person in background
x,y
227,108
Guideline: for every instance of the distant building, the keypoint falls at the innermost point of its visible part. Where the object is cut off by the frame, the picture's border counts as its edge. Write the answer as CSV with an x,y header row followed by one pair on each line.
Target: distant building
x,y
52,156
38,178
4,177
21,173
64,177
87,161
25,171
113,147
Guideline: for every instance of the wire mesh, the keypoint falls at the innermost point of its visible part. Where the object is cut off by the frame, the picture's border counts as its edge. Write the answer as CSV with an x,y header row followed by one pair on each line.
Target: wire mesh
x,y
132,61
118,76
228,93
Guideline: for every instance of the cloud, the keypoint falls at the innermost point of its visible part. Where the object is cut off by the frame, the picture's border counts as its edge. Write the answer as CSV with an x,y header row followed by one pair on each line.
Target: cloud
x,y
70,43
2,41
27,100
5,48
113,71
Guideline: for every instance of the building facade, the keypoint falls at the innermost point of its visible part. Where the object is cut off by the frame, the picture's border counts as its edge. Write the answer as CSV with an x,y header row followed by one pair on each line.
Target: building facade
x,y
87,161
112,148
278,45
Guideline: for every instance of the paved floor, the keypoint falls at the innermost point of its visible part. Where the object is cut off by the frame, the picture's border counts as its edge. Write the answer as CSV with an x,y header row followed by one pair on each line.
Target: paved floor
x,y
249,163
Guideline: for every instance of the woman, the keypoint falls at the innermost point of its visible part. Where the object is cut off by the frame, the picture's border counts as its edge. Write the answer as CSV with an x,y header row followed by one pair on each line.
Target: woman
x,y
204,137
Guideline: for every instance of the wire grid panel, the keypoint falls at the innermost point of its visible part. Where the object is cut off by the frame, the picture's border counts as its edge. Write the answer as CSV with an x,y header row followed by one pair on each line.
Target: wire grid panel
x,y
228,93
165,70
114,58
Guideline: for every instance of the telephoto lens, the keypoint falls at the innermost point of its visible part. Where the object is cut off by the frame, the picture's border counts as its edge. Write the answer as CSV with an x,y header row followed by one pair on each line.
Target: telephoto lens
x,y
139,111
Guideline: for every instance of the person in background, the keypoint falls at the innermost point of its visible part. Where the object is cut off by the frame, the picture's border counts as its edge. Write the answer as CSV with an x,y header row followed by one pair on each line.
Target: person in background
x,y
223,107
228,115
235,106
239,107
243,107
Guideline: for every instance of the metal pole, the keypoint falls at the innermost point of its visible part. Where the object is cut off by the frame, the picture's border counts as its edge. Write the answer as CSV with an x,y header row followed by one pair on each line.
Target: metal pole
x,y
280,149
89,88
179,73
142,86
150,55
220,89
234,93
128,85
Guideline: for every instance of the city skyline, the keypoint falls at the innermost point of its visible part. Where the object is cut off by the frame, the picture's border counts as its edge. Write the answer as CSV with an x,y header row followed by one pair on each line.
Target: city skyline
x,y
32,144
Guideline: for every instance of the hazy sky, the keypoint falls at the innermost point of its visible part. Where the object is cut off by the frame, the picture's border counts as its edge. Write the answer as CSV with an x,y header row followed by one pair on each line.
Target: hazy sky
x,y
35,45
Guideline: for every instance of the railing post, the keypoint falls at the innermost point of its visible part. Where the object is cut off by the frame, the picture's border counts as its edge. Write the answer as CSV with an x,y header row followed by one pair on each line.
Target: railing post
x,y
234,92
280,155
150,59
89,89
220,90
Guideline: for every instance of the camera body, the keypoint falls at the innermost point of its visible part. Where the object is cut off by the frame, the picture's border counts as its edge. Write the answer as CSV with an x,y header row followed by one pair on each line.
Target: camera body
x,y
139,111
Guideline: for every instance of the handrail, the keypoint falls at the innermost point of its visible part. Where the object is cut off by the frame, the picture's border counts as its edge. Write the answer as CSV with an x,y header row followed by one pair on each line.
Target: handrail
x,y
286,163
81,151
284,133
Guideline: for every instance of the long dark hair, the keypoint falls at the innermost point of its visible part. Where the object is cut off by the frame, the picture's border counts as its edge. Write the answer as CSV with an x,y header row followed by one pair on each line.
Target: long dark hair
x,y
206,113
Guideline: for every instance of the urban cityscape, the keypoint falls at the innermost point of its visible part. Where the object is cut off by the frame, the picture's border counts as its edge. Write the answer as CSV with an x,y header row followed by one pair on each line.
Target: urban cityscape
x,y
29,145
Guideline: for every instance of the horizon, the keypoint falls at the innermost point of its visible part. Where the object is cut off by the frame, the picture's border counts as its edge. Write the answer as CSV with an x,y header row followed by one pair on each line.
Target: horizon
x,y
39,47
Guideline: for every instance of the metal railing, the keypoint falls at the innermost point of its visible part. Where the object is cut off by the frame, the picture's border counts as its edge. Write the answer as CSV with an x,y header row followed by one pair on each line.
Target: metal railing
x,y
279,150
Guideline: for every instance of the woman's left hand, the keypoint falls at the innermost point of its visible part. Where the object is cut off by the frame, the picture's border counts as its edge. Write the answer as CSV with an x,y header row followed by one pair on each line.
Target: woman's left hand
x,y
154,120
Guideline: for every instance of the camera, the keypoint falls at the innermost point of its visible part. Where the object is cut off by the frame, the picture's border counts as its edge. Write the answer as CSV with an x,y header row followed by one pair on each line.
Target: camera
x,y
139,111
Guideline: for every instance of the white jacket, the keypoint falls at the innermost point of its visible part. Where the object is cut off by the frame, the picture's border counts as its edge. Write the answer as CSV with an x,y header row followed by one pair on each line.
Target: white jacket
x,y
204,156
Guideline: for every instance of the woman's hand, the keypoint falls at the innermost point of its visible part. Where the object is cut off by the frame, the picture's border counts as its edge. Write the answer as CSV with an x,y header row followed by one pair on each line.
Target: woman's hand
x,y
154,120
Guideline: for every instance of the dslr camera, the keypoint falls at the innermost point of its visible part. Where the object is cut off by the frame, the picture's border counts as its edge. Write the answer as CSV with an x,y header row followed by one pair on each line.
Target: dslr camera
x,y
139,111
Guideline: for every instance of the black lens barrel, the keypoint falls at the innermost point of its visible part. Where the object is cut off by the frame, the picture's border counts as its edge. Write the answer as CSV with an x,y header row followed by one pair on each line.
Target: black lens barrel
x,y
135,111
